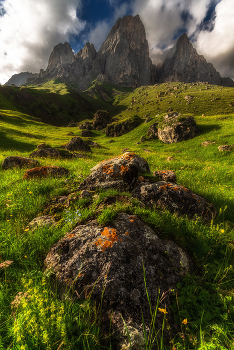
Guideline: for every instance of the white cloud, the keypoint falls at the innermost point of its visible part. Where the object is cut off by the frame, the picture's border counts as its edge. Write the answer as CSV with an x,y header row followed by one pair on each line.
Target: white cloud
x,y
218,45
30,29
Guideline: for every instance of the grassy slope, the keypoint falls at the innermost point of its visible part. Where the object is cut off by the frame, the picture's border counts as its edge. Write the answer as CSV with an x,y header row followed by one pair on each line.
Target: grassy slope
x,y
206,171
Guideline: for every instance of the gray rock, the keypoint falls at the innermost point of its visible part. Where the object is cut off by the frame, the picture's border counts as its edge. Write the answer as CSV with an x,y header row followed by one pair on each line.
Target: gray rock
x,y
176,129
45,171
122,127
101,119
119,172
61,54
77,144
153,131
175,198
225,148
165,175
106,263
46,153
207,143
19,162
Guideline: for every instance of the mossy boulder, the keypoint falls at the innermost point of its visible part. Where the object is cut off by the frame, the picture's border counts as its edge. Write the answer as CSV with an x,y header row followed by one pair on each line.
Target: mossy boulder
x,y
123,126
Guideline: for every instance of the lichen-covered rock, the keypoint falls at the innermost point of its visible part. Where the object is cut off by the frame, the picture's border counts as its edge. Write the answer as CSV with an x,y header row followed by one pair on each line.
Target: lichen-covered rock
x,y
43,145
175,198
207,143
45,171
122,127
165,175
94,144
176,128
106,263
119,172
86,126
19,162
77,144
101,119
41,221
46,153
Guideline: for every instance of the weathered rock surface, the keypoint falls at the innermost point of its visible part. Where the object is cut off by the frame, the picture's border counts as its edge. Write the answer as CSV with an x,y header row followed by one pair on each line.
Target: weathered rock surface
x,y
45,171
86,133
46,153
124,55
77,144
153,131
95,259
41,221
176,128
225,148
20,79
184,64
19,162
101,118
86,125
62,54
207,143
123,126
43,145
165,175
119,172
175,198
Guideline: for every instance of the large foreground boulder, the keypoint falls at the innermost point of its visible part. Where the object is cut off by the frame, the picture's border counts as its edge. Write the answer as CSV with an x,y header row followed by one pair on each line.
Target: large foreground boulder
x,y
77,144
45,171
175,128
19,162
106,263
119,172
175,198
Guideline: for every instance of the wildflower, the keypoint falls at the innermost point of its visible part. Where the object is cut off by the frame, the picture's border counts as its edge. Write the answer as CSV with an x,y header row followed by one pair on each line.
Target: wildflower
x,y
185,321
163,310
30,192
27,229
222,231
6,263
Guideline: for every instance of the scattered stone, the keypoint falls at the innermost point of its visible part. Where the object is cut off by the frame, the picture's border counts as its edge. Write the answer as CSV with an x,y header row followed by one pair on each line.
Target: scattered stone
x,y
42,221
122,127
78,155
207,143
143,138
46,153
19,162
77,144
169,159
175,198
96,260
43,145
147,150
119,172
138,143
70,133
225,148
45,171
101,119
86,133
176,128
111,141
165,175
86,125
188,98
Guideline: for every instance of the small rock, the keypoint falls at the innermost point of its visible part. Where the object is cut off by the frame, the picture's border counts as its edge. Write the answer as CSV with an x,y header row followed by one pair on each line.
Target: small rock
x,y
19,162
111,141
41,221
169,159
101,119
207,143
43,145
143,138
77,144
165,175
85,194
94,144
225,148
86,133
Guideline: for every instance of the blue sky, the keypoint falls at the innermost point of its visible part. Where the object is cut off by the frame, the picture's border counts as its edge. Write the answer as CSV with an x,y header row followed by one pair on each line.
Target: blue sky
x,y
29,29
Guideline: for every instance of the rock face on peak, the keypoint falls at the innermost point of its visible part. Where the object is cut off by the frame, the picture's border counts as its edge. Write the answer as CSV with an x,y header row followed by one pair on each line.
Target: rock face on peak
x,y
184,64
124,55
61,54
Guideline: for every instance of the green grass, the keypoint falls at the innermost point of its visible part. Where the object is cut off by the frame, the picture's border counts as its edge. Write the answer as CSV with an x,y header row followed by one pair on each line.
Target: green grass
x,y
204,298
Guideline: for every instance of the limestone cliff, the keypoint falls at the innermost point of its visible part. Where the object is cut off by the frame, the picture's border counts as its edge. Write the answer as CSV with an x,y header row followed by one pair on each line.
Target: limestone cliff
x,y
61,54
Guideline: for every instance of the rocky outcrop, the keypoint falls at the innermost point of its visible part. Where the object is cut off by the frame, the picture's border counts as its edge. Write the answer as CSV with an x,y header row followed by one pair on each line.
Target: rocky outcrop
x,y
45,171
122,127
62,54
175,128
20,79
108,263
101,118
77,144
184,64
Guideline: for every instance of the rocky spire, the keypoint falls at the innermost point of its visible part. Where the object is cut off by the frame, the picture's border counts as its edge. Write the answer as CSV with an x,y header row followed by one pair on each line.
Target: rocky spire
x,y
61,54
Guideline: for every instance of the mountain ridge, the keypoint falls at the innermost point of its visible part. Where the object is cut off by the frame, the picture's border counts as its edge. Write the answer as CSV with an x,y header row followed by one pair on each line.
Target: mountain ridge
x,y
123,60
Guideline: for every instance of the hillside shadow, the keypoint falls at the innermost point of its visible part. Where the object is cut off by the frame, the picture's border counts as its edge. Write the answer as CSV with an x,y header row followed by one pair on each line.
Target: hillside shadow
x,y
204,129
7,143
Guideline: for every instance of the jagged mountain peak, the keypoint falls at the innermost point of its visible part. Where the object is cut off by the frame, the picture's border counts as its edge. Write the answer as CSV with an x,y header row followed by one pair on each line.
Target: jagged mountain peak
x,y
61,54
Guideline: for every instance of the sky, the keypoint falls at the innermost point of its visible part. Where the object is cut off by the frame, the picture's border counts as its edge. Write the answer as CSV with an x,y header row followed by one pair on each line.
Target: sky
x,y
29,29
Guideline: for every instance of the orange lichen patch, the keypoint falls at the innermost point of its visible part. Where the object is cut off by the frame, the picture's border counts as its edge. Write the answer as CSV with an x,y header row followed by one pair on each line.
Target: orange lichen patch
x,y
108,169
164,187
123,169
126,233
141,178
128,156
132,218
70,235
110,237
